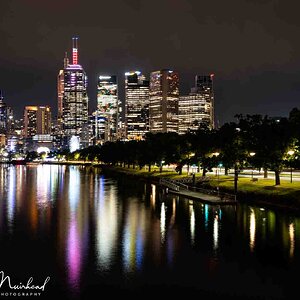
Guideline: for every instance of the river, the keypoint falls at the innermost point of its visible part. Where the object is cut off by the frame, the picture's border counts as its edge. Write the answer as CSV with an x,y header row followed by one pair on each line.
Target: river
x,y
91,233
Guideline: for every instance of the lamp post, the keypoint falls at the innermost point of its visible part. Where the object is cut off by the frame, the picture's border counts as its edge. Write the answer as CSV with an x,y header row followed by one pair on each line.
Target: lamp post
x,y
290,153
252,154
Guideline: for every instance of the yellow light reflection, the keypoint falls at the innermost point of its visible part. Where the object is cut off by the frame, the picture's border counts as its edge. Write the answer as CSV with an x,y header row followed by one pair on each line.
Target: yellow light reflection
x,y
252,229
153,195
292,239
172,221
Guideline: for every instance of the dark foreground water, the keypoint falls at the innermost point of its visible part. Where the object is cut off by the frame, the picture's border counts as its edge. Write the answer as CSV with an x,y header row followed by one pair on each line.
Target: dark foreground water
x,y
93,234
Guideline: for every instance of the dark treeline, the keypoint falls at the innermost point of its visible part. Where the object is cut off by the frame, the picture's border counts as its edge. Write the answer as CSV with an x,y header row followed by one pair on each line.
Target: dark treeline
x,y
252,141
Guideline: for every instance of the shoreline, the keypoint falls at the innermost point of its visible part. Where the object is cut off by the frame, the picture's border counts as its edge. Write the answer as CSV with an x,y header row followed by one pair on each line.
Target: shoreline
x,y
269,201
261,196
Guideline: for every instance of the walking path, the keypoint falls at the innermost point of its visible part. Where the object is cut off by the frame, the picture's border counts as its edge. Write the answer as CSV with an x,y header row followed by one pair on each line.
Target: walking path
x,y
208,196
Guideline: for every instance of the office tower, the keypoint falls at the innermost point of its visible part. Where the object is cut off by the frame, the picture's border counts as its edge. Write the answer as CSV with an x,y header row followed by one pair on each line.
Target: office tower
x,y
37,120
60,92
3,114
108,114
75,99
163,108
198,107
136,105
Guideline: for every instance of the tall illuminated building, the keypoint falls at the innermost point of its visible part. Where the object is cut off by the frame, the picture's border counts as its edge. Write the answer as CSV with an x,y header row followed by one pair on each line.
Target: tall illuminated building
x,y
3,115
37,120
164,94
60,92
136,105
108,114
74,99
198,107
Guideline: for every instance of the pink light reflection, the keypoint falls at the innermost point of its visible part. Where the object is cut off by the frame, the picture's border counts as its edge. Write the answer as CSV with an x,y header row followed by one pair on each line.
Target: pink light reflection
x,y
73,254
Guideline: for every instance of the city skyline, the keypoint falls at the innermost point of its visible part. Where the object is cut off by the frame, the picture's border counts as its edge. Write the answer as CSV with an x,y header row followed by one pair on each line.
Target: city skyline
x,y
252,48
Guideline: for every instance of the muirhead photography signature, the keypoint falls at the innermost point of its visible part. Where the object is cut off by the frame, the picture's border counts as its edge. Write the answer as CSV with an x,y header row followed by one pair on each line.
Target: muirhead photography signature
x,y
7,282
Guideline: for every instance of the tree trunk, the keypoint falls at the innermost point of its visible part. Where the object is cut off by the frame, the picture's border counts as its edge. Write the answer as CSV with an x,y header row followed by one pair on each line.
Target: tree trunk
x,y
277,177
180,170
265,173
149,168
160,168
204,172
188,169
226,171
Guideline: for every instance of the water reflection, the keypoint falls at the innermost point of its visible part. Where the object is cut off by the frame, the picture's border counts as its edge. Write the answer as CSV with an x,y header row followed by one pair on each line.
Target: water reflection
x,y
162,222
252,229
192,224
106,224
292,239
98,226
216,232
11,196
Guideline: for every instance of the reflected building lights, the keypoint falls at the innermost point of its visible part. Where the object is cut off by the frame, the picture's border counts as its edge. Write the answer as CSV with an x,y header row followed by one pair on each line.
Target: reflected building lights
x,y
216,232
153,195
162,222
74,189
11,196
107,226
292,239
73,254
206,215
43,183
252,229
172,221
192,224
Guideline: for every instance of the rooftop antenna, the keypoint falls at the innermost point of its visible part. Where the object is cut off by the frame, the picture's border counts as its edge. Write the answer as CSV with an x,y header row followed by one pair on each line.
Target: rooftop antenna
x,y
75,50
66,60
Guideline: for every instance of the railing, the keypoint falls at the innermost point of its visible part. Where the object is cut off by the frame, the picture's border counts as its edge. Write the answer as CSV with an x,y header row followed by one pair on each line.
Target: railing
x,y
169,184
190,179
175,185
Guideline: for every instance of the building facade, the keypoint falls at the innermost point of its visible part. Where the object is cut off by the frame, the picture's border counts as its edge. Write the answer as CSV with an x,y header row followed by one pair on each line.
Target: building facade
x,y
164,95
108,114
37,120
75,98
136,105
198,107
3,115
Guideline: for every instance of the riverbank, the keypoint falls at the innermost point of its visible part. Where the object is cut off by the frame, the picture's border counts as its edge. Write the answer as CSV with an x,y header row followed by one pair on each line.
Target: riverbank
x,y
261,192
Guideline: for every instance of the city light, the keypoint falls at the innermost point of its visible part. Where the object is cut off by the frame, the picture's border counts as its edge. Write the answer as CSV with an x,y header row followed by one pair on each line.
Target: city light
x,y
43,150
74,143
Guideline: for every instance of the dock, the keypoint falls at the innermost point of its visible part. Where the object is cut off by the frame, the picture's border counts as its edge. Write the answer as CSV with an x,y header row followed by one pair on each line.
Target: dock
x,y
203,195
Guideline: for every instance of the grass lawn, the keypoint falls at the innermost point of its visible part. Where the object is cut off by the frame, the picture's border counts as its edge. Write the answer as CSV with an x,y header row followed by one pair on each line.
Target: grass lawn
x,y
263,188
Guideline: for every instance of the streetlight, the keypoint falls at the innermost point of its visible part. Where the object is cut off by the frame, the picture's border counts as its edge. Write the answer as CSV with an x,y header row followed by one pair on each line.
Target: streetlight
x,y
290,153
216,154
252,154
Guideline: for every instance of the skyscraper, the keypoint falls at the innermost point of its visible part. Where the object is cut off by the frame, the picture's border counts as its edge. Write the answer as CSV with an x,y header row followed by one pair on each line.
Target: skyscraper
x,y
3,114
60,92
37,120
75,99
108,114
136,105
198,107
164,94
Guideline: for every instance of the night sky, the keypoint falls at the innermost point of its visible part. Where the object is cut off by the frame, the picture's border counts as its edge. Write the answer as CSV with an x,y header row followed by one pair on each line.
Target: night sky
x,y
252,47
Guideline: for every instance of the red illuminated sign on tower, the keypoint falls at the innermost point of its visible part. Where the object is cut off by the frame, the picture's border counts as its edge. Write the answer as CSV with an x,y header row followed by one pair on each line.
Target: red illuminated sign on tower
x,y
75,51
